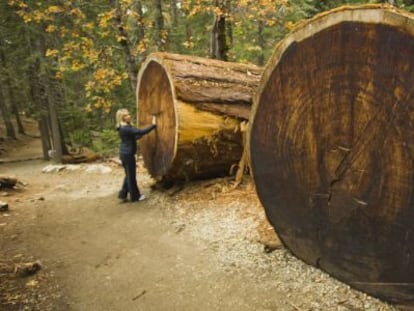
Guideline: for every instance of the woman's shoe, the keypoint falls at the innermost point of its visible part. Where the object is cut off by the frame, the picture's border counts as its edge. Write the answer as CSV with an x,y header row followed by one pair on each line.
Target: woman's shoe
x,y
141,198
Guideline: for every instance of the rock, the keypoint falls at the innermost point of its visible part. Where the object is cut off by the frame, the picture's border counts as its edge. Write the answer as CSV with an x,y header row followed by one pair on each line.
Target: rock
x,y
4,207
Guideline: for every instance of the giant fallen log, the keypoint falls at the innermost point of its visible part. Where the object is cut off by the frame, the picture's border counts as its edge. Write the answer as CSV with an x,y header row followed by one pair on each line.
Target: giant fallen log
x,y
331,143
200,104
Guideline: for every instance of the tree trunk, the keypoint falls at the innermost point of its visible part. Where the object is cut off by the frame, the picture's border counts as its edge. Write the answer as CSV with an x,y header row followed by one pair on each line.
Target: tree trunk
x,y
45,137
8,90
261,43
199,105
129,59
10,132
5,100
332,147
229,27
15,110
218,36
161,31
56,133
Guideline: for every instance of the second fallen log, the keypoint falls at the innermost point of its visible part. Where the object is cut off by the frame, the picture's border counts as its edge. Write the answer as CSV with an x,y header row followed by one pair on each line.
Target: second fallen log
x,y
199,104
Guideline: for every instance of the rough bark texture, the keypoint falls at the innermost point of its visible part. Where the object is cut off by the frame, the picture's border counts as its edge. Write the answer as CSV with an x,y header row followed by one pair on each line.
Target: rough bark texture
x,y
332,147
199,105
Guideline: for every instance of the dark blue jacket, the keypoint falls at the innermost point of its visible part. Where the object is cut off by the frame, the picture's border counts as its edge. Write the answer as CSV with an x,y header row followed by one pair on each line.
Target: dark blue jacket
x,y
129,136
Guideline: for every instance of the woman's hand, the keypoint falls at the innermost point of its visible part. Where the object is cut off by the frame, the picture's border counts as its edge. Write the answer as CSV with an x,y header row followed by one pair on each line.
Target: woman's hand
x,y
154,119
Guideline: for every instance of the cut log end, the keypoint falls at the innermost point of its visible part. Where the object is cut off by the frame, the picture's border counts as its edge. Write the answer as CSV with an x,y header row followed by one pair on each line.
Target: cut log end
x,y
199,104
331,146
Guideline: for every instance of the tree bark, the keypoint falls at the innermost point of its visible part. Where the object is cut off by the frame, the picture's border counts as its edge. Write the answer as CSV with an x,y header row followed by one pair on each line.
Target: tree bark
x,y
15,111
10,132
56,137
261,43
5,99
129,59
199,104
332,147
45,136
219,46
161,31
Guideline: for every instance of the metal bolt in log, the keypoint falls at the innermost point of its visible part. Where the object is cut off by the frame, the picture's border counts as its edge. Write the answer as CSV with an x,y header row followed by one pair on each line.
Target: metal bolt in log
x,y
199,104
332,146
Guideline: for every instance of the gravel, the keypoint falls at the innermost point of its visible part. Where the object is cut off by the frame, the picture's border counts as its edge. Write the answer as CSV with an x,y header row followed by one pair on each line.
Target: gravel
x,y
227,221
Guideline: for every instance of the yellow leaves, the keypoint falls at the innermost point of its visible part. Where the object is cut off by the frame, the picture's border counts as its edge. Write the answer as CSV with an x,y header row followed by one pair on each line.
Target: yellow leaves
x,y
77,12
289,25
104,34
101,86
51,52
70,47
125,3
51,28
91,55
76,65
141,47
26,18
101,74
59,75
89,87
53,9
21,4
39,16
217,11
107,78
120,38
105,18
88,26
99,102
188,44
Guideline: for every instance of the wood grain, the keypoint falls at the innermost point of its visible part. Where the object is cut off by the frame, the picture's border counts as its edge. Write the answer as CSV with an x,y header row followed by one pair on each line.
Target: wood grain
x,y
332,147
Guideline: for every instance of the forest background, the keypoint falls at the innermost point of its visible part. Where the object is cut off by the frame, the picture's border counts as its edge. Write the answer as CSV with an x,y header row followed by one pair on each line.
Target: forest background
x,y
71,64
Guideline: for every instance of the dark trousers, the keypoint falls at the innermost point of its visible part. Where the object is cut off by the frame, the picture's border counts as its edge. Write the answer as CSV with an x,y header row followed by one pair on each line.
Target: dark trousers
x,y
130,181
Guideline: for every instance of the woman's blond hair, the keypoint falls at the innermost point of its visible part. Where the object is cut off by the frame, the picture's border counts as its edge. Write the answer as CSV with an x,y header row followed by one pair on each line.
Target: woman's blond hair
x,y
120,117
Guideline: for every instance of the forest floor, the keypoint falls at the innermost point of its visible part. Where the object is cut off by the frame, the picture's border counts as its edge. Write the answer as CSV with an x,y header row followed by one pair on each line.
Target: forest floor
x,y
202,248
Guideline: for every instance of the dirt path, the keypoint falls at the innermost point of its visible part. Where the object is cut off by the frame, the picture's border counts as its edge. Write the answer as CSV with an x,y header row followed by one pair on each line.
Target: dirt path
x,y
196,250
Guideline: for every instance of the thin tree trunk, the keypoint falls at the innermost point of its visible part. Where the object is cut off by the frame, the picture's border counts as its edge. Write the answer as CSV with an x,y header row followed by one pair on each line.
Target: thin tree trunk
x,y
218,36
5,100
159,20
229,26
45,137
56,137
261,43
129,59
6,116
174,12
140,20
140,31
51,94
15,111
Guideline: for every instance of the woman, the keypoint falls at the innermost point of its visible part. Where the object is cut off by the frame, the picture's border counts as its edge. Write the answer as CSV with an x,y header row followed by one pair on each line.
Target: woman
x,y
128,148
